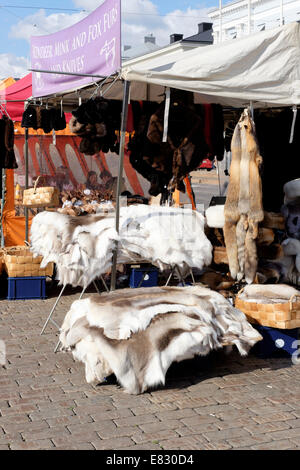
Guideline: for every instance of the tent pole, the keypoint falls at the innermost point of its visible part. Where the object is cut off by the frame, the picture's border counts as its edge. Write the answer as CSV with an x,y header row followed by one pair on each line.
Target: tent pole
x,y
120,176
3,176
220,20
26,181
281,13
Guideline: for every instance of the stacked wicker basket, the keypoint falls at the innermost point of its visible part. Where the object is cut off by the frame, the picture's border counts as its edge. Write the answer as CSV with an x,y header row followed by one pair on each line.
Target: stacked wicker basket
x,y
282,315
19,262
41,197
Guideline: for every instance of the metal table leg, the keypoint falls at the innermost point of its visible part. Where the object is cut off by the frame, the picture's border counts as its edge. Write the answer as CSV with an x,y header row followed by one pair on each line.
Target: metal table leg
x,y
52,310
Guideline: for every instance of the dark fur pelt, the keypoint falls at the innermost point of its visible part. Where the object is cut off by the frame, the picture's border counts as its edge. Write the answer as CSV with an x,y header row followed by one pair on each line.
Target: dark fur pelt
x,y
97,121
137,334
165,164
7,154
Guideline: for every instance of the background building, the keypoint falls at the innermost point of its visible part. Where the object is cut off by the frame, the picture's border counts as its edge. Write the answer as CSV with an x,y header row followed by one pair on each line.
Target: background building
x,y
242,17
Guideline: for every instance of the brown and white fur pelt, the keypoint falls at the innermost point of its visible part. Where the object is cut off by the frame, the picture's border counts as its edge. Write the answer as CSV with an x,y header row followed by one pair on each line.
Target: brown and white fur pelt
x,y
243,207
82,247
137,334
269,293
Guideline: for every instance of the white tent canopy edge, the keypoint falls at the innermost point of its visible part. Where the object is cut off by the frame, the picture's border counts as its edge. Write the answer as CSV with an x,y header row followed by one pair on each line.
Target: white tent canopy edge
x,y
263,68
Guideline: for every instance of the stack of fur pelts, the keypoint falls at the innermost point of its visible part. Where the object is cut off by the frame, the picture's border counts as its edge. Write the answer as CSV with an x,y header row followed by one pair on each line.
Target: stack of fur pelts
x,y
87,201
243,208
137,334
96,121
82,247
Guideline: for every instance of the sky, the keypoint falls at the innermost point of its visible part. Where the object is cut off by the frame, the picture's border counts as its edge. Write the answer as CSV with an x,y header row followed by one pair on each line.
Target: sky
x,y
139,18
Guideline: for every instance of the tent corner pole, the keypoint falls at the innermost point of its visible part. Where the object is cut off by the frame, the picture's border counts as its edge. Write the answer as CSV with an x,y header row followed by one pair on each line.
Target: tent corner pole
x,y
26,182
126,91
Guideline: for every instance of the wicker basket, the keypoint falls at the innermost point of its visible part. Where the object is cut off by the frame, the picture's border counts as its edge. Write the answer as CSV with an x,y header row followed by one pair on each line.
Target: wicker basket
x,y
279,315
19,262
41,197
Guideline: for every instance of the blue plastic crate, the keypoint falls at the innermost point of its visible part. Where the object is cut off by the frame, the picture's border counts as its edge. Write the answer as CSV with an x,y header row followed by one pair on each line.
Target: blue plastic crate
x,y
150,277
276,342
26,288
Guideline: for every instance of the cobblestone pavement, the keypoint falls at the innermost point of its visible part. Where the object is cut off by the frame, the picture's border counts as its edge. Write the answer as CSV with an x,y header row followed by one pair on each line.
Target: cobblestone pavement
x,y
224,402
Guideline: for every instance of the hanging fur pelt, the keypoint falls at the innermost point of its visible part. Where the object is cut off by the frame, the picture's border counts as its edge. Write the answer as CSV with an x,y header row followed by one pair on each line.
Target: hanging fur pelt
x,y
243,208
137,334
82,247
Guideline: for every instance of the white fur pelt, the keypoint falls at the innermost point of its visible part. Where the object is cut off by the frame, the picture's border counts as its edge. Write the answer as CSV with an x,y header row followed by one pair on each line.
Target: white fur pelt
x,y
215,216
164,236
137,333
291,190
82,247
268,293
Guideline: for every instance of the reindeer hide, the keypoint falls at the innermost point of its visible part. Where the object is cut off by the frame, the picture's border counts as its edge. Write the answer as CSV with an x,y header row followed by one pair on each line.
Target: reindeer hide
x,y
137,334
82,247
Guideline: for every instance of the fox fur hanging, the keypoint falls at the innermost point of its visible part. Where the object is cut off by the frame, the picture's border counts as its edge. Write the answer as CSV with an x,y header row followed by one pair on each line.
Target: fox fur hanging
x,y
137,333
243,207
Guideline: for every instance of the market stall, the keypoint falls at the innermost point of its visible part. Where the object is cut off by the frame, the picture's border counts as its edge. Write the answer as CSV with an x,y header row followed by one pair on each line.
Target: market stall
x,y
260,72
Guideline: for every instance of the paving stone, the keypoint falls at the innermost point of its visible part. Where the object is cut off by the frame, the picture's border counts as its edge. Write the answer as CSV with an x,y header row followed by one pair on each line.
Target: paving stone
x,y
199,420
110,432
296,441
263,410
113,414
160,425
112,444
264,428
25,426
176,414
273,417
155,408
284,444
182,443
42,444
293,423
4,447
141,437
286,434
75,446
226,434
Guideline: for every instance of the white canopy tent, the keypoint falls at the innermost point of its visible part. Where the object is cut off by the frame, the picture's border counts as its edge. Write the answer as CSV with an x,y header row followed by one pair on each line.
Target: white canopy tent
x,y
263,68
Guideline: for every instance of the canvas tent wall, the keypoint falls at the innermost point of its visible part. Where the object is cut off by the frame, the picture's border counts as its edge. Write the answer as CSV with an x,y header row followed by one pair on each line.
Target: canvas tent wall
x,y
263,68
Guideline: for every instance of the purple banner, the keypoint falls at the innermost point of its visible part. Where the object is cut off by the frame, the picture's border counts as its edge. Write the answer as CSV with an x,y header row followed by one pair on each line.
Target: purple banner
x,y
92,46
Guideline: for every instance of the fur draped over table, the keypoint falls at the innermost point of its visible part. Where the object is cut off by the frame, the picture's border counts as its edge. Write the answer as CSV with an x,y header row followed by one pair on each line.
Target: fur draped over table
x,y
137,334
82,247
243,208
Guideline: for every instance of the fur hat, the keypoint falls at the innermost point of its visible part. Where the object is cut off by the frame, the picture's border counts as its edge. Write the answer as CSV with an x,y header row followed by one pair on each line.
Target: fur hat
x,y
29,118
75,126
59,120
86,146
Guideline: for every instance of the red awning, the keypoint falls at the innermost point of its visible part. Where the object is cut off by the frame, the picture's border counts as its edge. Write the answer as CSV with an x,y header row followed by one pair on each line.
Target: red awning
x,y
20,90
